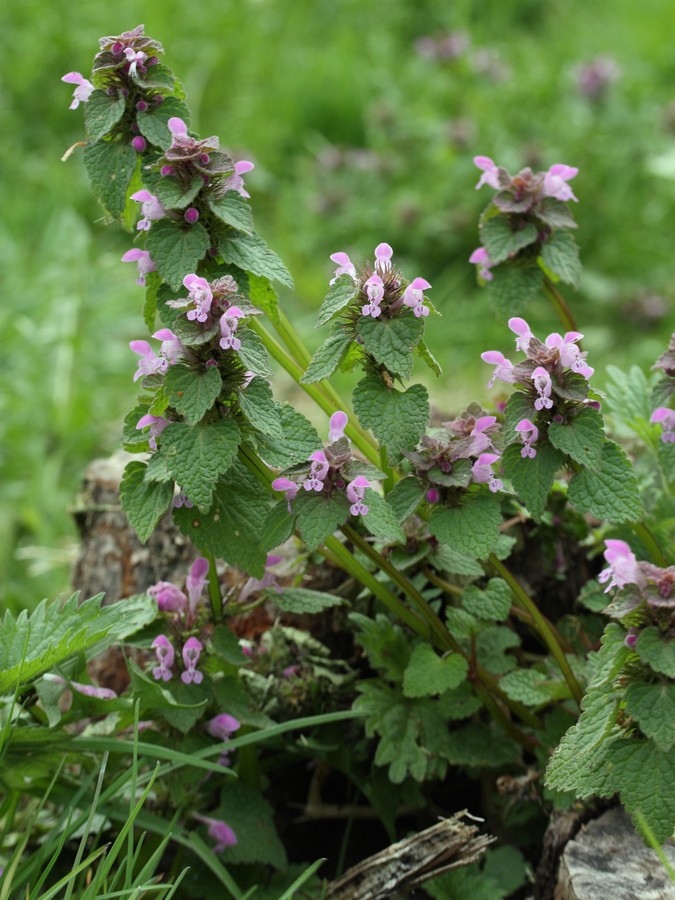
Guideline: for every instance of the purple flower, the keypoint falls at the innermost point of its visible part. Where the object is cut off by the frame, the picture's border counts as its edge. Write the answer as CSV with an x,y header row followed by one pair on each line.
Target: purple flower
x,y
195,583
236,182
171,349
191,215
383,255
569,353
375,291
522,331
336,425
181,499
222,726
82,92
317,471
490,172
289,487
481,440
631,637
503,367
165,656
191,652
135,58
151,209
356,491
555,182
199,293
88,690
157,425
542,383
143,261
228,326
413,296
139,143
433,495
623,566
480,258
666,418
344,266
529,434
150,363
483,474
219,832
177,127
169,598
595,77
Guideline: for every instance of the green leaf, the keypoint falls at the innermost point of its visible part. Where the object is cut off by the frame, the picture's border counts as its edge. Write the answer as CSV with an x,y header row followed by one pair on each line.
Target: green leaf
x,y
251,253
384,643
514,286
263,296
381,519
428,674
656,652
153,123
300,438
278,526
459,703
231,529
396,418
492,646
555,213
645,777
110,167
526,686
44,640
503,236
405,497
158,76
177,249
561,255
327,358
493,603
391,341
197,454
252,819
173,194
653,706
582,438
144,503
318,516
181,705
258,405
303,600
608,490
253,354
447,559
425,354
233,210
340,295
225,644
518,407
532,479
102,113
471,528
629,398
152,285
481,746
192,391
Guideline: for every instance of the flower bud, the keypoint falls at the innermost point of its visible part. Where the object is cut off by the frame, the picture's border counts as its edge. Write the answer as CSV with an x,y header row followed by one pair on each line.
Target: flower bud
x,y
433,495
142,106
191,215
138,143
204,159
158,100
152,61
166,170
134,128
117,49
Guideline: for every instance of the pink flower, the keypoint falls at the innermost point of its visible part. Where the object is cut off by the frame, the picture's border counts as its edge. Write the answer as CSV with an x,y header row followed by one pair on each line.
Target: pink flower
x,y
222,726
165,656
82,92
483,474
542,382
344,266
522,331
481,440
290,488
623,566
151,209
88,690
375,291
666,418
177,127
228,326
236,182
433,495
135,58
157,424
503,367
569,353
383,255
356,491
413,296
191,652
199,293
169,598
480,258
143,262
195,583
529,434
337,424
218,831
555,182
170,352
490,172
317,471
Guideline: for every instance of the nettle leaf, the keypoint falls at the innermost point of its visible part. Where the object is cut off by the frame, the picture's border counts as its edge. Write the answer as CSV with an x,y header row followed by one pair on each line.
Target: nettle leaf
x,y
493,602
192,391
459,703
197,454
340,295
645,777
225,644
303,600
405,497
233,210
503,236
478,745
653,706
656,652
425,354
299,439
193,334
102,113
153,122
518,407
384,643
513,287
560,254
381,519
471,528
462,624
251,253
258,405
54,632
135,441
263,296
572,387
327,358
232,527
252,819
555,213
152,285
396,418
253,354
391,341
158,76
582,438
628,396
492,646
177,249
447,559
609,489
174,194
428,674
319,515
532,479
110,167
526,686
144,502
278,526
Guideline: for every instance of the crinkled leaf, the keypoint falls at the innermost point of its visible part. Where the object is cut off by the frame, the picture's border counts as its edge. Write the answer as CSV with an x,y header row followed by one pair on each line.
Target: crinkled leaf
x,y
152,284
135,440
253,354
263,296
177,249
396,418
492,648
327,358
278,526
381,520
572,387
299,439
252,819
449,560
258,405
459,703
303,600
110,167
153,122
561,255
384,643
645,777
608,489
428,674
319,515
518,407
425,354
555,213
340,295
233,210
225,644
459,476
653,706
656,651
391,341
462,624
471,528
101,113
144,503
157,76
251,253
532,479
478,745
503,236
629,396
192,333
192,391
197,454
174,194
526,686
582,438
405,497
514,286
493,602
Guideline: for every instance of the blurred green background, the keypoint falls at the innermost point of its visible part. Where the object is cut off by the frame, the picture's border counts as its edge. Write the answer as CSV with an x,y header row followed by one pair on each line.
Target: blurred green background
x,y
362,119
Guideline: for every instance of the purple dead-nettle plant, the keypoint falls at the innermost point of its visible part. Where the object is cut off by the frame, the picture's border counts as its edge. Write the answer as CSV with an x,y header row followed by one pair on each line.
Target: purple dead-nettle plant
x,y
82,92
219,832
144,263
87,690
522,192
151,363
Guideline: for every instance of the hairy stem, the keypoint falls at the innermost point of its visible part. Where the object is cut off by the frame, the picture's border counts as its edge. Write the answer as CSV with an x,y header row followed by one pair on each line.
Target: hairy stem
x,y
559,304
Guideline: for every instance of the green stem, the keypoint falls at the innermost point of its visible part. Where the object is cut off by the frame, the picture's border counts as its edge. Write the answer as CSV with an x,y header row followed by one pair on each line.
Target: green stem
x,y
214,587
560,305
543,627
525,740
649,540
441,583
